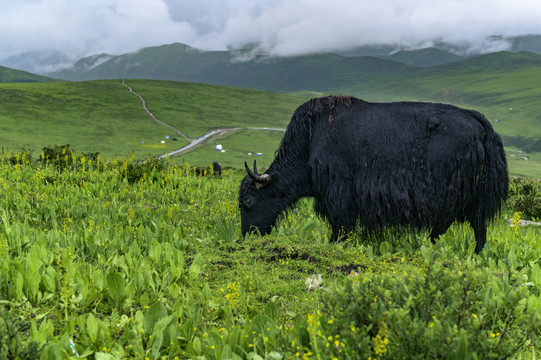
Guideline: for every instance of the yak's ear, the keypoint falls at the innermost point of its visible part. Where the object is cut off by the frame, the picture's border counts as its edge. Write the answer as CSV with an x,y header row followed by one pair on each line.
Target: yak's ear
x,y
275,177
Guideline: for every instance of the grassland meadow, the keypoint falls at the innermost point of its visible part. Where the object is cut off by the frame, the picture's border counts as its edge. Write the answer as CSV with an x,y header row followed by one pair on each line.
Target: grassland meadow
x,y
143,259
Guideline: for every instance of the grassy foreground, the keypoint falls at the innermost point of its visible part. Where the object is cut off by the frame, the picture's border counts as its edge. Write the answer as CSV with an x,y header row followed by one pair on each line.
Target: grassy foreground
x,y
130,260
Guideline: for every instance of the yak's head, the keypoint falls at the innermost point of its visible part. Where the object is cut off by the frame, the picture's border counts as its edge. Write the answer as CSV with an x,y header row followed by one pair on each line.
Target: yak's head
x,y
259,201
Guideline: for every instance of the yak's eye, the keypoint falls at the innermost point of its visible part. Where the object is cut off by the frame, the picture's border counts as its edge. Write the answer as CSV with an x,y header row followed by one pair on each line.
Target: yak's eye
x,y
248,202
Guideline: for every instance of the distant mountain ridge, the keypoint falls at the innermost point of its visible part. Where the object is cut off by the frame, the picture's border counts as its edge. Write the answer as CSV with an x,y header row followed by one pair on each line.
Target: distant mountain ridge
x,y
38,62
249,68
82,66
56,64
243,68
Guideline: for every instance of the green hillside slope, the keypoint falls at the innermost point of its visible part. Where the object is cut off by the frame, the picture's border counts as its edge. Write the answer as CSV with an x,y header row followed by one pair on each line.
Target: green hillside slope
x,y
8,75
104,116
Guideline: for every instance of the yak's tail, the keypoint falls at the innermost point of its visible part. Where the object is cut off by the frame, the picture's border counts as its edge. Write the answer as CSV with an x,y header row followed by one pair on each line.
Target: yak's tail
x,y
494,179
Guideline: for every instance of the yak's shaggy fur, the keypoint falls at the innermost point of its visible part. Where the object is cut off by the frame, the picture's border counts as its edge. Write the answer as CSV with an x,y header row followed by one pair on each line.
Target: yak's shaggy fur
x,y
419,165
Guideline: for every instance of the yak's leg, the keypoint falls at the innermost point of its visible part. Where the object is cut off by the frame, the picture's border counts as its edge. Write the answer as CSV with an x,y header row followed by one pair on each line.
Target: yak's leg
x,y
340,233
439,230
341,229
480,231
341,226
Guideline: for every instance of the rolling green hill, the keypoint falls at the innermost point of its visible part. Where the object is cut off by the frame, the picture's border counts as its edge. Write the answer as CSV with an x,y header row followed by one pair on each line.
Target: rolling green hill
x,y
504,86
8,75
363,76
103,116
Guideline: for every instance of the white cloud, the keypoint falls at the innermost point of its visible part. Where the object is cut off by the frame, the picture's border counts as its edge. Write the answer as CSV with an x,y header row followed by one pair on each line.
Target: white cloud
x,y
86,27
291,27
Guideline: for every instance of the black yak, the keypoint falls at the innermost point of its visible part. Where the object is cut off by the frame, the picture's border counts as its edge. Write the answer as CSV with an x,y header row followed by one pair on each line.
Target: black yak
x,y
403,164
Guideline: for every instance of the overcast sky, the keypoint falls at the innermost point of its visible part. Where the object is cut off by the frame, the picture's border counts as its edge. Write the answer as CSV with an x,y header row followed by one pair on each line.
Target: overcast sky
x,y
85,27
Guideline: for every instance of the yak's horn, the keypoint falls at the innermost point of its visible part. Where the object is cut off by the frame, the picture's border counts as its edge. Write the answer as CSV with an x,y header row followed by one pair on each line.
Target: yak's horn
x,y
260,180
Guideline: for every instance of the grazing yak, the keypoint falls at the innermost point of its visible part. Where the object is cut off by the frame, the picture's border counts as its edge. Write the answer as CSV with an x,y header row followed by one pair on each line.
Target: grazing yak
x,y
403,164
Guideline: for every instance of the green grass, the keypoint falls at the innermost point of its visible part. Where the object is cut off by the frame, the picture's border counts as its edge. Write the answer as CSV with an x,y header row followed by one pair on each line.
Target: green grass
x,y
103,116
237,146
157,268
8,75
524,164
199,108
99,116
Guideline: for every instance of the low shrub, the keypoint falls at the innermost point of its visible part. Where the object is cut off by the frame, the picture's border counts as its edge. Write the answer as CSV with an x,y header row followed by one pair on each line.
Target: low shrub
x,y
525,197
451,310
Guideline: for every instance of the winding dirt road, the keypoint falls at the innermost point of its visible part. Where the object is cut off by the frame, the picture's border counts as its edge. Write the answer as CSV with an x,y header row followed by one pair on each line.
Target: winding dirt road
x,y
143,102
193,142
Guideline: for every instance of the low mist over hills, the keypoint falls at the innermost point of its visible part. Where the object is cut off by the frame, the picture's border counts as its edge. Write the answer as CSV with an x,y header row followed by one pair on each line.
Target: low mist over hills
x,y
252,68
55,64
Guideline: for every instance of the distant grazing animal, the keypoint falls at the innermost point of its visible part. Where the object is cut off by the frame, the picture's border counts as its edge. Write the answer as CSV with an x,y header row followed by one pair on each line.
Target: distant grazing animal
x,y
217,168
205,171
403,164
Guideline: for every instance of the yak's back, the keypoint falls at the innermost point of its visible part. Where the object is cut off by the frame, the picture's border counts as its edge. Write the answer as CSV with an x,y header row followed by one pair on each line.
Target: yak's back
x,y
400,134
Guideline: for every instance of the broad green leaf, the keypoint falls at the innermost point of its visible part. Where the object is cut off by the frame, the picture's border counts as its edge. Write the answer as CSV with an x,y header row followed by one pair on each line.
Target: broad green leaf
x,y
195,268
49,279
116,285
535,275
307,229
271,310
206,292
155,252
188,329
19,282
92,327
385,248
129,292
158,334
43,332
156,312
104,356
263,324
197,345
